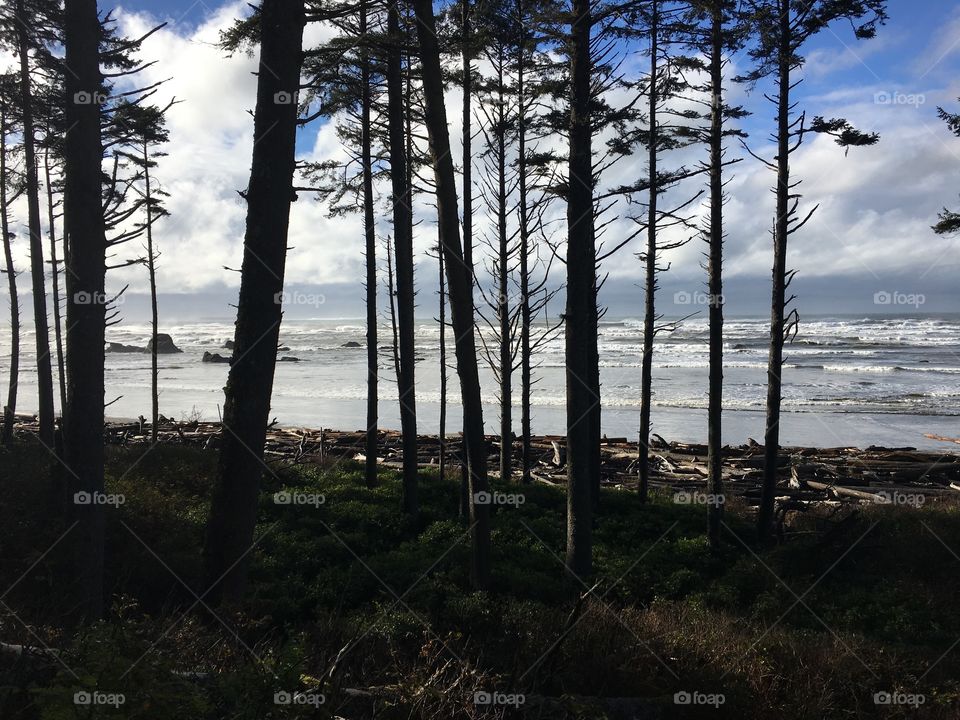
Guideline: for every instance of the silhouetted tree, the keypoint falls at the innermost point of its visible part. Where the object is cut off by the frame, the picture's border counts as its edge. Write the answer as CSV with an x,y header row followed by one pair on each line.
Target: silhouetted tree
x,y
403,255
782,29
85,273
233,512
10,190
33,25
460,289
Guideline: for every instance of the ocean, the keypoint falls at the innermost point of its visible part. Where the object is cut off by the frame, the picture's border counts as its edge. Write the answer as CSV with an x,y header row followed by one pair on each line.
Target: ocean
x,y
847,382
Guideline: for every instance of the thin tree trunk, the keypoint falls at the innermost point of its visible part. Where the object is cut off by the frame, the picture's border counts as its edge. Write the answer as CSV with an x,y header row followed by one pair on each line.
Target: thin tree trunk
x,y
44,369
233,513
154,312
503,299
443,366
771,435
392,296
467,138
715,279
55,283
460,287
581,324
85,274
525,360
370,235
10,409
650,291
403,259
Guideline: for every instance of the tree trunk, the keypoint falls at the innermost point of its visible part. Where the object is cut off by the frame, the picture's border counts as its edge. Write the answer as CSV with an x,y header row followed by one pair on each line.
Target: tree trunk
x,y
392,296
403,259
503,299
154,313
233,513
10,409
467,118
370,236
460,288
650,291
443,366
55,283
771,435
525,360
580,318
85,274
715,279
44,369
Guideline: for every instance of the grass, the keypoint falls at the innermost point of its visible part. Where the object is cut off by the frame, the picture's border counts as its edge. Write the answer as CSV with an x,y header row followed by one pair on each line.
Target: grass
x,y
372,610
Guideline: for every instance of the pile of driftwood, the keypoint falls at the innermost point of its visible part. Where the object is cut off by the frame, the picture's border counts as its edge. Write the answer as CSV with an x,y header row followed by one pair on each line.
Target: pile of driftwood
x,y
808,475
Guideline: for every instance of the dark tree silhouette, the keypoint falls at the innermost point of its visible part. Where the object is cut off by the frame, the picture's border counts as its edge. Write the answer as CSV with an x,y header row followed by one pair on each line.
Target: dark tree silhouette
x,y
85,273
783,27
28,36
403,255
459,285
581,309
233,512
9,192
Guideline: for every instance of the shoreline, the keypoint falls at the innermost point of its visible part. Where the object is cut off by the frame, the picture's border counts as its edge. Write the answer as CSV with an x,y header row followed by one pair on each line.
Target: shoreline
x,y
809,476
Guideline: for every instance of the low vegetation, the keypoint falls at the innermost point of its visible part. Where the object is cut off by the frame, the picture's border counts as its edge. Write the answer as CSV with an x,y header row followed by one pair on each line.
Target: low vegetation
x,y
357,611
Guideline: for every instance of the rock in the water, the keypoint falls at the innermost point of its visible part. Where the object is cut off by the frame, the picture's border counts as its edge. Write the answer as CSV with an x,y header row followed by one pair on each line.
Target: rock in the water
x,y
121,348
209,357
165,345
228,345
288,358
283,348
351,344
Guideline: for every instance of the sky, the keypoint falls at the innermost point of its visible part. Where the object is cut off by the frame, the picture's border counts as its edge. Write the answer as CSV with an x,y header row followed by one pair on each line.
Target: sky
x,y
868,248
